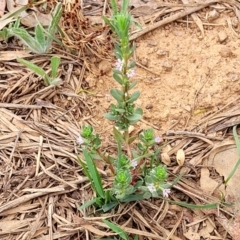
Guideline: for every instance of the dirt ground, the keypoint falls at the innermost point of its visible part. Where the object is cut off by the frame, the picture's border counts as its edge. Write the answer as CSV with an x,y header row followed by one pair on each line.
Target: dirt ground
x,y
182,76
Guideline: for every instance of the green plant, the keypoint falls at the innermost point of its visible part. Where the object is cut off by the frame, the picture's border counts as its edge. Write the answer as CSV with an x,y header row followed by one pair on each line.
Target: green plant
x,y
138,173
119,231
41,41
48,80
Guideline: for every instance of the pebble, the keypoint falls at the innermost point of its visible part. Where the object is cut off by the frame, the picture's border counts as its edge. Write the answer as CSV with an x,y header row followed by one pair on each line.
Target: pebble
x,y
233,76
167,66
145,62
105,66
212,15
152,43
149,106
235,22
222,36
161,53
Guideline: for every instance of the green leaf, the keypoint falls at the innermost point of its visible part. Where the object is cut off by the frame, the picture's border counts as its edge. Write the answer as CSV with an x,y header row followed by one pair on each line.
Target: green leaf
x,y
94,174
32,66
118,78
117,72
55,61
139,111
39,33
132,64
133,198
116,229
125,5
194,206
57,13
235,135
117,94
109,206
114,7
120,110
111,117
117,135
132,85
132,139
87,204
135,237
135,117
134,97
54,81
27,40
85,171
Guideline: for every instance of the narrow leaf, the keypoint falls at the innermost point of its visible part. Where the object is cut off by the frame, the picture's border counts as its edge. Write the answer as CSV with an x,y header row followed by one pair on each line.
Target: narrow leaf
x,y
194,206
55,61
87,204
111,117
117,135
134,97
39,33
32,66
109,206
27,40
116,95
235,135
116,229
134,117
132,85
118,78
94,174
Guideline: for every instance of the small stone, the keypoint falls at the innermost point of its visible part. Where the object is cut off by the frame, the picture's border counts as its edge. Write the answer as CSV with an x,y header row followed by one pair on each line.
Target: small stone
x,y
212,15
149,106
233,76
100,81
152,43
145,62
187,108
161,53
225,52
105,66
167,66
235,22
222,36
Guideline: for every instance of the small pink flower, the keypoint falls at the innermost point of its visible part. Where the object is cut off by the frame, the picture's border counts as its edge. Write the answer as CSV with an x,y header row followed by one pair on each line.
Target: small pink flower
x,y
166,192
151,188
80,140
119,64
130,72
134,163
158,139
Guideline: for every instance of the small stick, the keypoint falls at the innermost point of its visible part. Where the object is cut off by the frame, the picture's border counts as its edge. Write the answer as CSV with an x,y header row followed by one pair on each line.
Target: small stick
x,y
14,105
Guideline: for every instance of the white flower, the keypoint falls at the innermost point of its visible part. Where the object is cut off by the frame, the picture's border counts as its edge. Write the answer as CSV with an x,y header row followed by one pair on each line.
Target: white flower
x,y
119,64
166,192
130,72
80,140
158,139
151,188
134,163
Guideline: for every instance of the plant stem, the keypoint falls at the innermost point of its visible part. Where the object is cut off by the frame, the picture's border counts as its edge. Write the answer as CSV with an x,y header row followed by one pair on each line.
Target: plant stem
x,y
107,161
